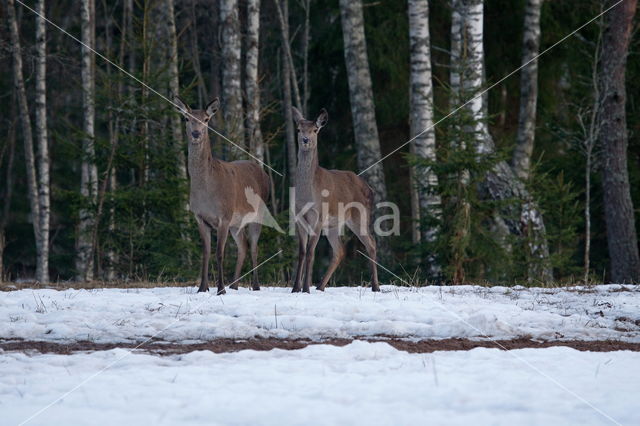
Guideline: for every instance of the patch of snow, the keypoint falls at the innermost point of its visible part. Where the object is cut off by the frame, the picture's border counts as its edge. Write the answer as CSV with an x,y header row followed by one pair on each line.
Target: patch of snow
x,y
361,383
180,315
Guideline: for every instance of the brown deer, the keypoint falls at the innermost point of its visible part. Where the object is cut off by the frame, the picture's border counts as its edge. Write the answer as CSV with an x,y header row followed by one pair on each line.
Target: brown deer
x,y
327,200
220,197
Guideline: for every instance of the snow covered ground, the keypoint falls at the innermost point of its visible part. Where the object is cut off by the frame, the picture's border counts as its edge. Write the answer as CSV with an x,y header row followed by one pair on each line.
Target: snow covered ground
x,y
362,383
182,316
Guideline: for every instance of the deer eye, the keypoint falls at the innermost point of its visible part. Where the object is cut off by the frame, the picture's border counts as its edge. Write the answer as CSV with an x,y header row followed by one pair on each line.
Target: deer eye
x,y
186,120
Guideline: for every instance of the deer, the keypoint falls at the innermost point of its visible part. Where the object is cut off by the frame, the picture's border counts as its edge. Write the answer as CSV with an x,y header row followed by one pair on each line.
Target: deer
x,y
222,196
326,201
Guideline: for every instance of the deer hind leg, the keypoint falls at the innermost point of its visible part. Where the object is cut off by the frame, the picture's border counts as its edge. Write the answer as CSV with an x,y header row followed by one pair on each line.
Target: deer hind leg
x,y
205,236
303,238
223,232
241,241
363,233
333,235
254,230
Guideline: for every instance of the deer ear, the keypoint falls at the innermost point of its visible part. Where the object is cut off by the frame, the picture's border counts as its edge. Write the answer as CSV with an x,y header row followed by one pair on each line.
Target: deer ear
x,y
322,119
297,115
212,108
182,106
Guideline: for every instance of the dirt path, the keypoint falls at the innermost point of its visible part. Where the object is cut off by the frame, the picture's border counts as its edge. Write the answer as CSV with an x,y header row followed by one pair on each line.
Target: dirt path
x,y
231,345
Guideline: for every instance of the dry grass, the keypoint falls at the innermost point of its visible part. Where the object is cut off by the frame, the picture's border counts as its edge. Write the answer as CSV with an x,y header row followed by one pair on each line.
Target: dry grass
x,y
64,285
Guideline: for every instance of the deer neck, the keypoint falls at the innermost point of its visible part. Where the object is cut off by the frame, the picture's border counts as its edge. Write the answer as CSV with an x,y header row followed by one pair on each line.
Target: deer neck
x,y
306,172
201,161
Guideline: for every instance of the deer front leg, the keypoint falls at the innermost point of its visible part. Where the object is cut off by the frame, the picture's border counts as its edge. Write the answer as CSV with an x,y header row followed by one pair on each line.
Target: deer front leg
x,y
303,237
223,232
311,251
205,236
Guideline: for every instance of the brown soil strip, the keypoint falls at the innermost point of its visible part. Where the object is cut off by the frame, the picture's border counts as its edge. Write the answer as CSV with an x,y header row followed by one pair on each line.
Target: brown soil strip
x,y
231,345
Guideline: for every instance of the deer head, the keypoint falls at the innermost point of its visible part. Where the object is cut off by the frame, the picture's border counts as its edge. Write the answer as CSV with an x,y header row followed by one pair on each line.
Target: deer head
x,y
197,127
308,130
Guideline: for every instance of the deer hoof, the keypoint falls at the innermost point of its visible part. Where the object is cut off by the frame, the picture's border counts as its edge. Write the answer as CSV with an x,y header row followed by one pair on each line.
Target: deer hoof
x,y
319,288
296,290
233,286
255,288
375,288
203,289
221,291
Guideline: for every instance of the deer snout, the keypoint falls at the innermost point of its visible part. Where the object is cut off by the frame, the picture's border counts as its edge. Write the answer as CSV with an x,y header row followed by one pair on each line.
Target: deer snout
x,y
305,139
196,134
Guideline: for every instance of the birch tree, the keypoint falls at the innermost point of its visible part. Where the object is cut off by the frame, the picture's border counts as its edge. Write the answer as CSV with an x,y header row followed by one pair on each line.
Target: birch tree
x,y
424,197
521,161
361,97
254,134
37,183
44,199
622,238
169,25
231,78
89,172
501,184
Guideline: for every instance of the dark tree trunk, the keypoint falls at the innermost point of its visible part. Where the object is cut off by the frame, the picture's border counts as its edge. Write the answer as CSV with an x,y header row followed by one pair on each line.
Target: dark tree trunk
x,y
619,216
287,101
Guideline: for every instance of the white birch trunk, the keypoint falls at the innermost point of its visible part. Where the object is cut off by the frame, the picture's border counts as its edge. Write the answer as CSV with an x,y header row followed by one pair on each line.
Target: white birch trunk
x,y
425,199
89,172
25,119
521,161
44,199
361,96
254,133
472,73
500,183
231,74
456,51
174,85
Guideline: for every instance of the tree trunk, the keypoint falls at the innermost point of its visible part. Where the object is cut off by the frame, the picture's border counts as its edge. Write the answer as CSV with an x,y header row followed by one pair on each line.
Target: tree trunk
x,y
254,134
283,18
462,220
23,109
169,25
231,78
589,144
522,219
361,97
89,173
203,96
286,96
8,182
44,199
425,199
521,161
619,214
305,56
